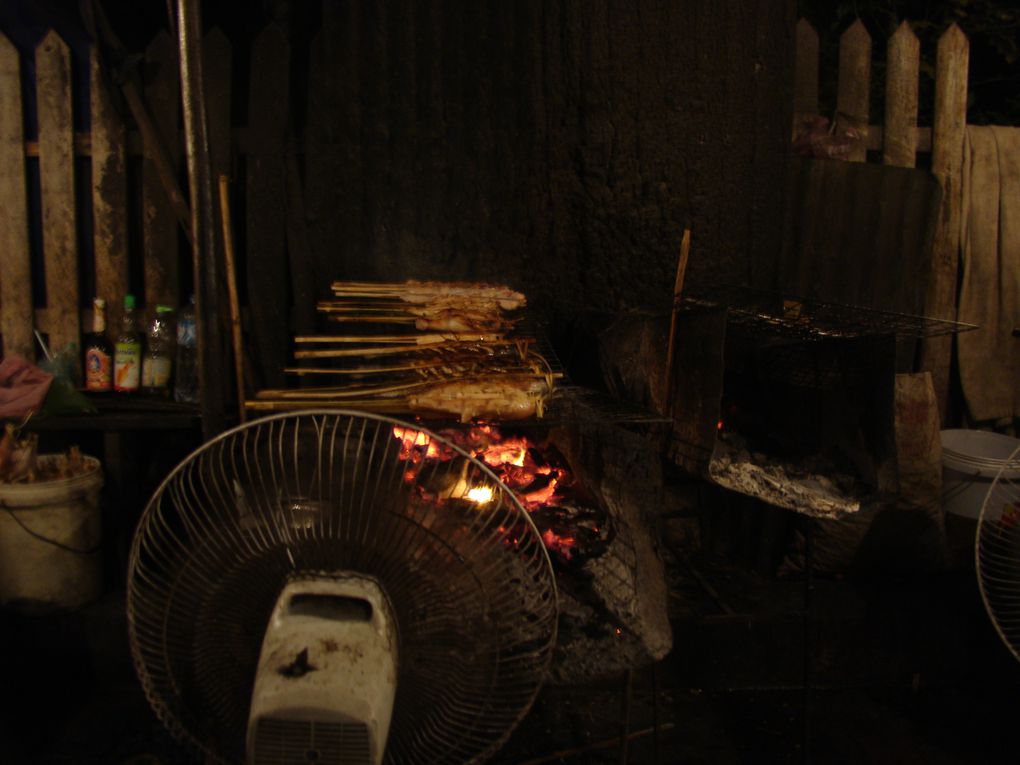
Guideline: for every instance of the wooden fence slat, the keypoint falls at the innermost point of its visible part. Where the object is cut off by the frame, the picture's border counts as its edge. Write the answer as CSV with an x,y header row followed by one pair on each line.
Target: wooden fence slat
x,y
56,180
15,269
268,107
854,83
901,83
950,123
217,67
109,195
805,75
159,222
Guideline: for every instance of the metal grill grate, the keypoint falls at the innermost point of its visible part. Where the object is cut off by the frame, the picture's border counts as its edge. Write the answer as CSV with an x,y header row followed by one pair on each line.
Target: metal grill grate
x,y
804,318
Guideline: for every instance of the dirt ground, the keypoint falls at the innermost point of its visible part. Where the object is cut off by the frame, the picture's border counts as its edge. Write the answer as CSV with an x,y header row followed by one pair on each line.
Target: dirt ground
x,y
903,670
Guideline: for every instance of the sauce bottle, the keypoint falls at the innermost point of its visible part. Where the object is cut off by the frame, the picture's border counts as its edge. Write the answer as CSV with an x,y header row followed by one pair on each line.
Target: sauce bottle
x,y
98,352
127,354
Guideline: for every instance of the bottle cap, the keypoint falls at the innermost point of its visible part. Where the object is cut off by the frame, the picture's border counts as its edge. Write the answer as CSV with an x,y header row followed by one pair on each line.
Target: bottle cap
x,y
129,301
164,309
99,303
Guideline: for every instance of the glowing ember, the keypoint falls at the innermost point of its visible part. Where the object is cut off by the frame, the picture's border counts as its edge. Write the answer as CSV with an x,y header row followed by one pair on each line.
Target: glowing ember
x,y
538,497
480,494
415,438
512,451
536,475
562,545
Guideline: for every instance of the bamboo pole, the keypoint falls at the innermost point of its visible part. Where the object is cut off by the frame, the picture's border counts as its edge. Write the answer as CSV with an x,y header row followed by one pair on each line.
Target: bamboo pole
x,y
235,305
678,286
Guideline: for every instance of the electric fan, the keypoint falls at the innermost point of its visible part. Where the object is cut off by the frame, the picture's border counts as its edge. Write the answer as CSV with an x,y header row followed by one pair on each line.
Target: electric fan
x,y
997,552
308,588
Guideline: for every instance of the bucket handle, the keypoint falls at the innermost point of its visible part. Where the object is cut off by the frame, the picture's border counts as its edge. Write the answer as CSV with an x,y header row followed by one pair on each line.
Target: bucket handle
x,y
47,540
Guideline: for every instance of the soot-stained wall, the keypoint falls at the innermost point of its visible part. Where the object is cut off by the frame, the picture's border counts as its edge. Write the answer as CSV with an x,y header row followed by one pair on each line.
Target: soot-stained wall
x,y
559,146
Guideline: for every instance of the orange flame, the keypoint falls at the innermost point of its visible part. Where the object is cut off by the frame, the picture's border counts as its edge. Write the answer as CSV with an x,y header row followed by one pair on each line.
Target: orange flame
x,y
410,439
511,458
512,451
539,497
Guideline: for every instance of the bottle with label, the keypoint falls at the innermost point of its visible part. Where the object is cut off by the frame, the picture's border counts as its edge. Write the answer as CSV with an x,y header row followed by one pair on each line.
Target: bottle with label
x,y
157,360
127,354
186,384
98,352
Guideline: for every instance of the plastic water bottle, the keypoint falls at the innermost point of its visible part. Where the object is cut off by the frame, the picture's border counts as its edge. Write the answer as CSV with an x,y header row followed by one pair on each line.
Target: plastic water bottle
x,y
186,387
157,360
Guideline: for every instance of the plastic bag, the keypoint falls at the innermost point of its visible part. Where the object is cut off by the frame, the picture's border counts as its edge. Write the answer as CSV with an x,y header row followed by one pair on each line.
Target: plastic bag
x,y
23,387
64,396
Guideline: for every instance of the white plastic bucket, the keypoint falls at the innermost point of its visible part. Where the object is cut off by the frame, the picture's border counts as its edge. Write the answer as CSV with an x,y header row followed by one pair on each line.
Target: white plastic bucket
x,y
970,461
50,534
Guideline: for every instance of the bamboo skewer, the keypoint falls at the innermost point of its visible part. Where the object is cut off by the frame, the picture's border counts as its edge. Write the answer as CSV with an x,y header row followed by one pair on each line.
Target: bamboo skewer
x,y
365,404
380,319
413,363
333,392
235,306
338,306
336,353
429,339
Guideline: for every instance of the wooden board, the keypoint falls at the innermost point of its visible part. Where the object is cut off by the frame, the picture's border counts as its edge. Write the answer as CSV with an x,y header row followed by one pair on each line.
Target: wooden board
x,y
159,222
854,85
15,273
268,107
899,137
859,233
805,75
697,389
947,164
109,196
56,180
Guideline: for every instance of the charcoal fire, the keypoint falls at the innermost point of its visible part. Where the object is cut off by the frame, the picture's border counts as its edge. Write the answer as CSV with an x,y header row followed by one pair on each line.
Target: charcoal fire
x,y
584,489
572,527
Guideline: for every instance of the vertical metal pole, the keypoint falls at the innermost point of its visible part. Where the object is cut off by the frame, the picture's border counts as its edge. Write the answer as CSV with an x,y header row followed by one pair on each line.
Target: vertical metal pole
x,y
204,262
808,692
628,679
655,714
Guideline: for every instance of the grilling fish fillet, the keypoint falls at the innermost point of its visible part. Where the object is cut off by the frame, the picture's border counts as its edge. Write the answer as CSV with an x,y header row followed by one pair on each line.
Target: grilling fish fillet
x,y
504,398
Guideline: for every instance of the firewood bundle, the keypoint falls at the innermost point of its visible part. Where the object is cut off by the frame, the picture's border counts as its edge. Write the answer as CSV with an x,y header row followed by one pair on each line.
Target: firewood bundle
x,y
440,349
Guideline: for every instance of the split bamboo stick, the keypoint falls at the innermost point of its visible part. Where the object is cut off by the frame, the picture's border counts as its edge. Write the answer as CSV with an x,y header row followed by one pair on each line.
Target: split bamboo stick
x,y
235,304
426,339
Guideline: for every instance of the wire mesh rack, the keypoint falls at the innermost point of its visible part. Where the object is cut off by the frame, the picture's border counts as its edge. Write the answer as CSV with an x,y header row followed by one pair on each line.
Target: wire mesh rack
x,y
777,313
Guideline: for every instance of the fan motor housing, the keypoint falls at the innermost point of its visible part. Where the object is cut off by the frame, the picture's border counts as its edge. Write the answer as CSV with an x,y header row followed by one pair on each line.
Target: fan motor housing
x,y
326,677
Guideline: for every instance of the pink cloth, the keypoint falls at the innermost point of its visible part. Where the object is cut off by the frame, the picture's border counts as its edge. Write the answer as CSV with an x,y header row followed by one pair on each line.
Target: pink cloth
x,y
23,387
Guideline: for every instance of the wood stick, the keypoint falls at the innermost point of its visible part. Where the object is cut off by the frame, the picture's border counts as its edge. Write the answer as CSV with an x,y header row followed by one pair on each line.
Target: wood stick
x,y
411,366
336,353
435,338
333,392
235,303
678,286
339,306
368,404
356,318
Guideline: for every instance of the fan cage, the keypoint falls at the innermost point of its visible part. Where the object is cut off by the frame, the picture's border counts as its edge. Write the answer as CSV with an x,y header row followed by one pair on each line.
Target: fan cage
x,y
997,553
290,495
